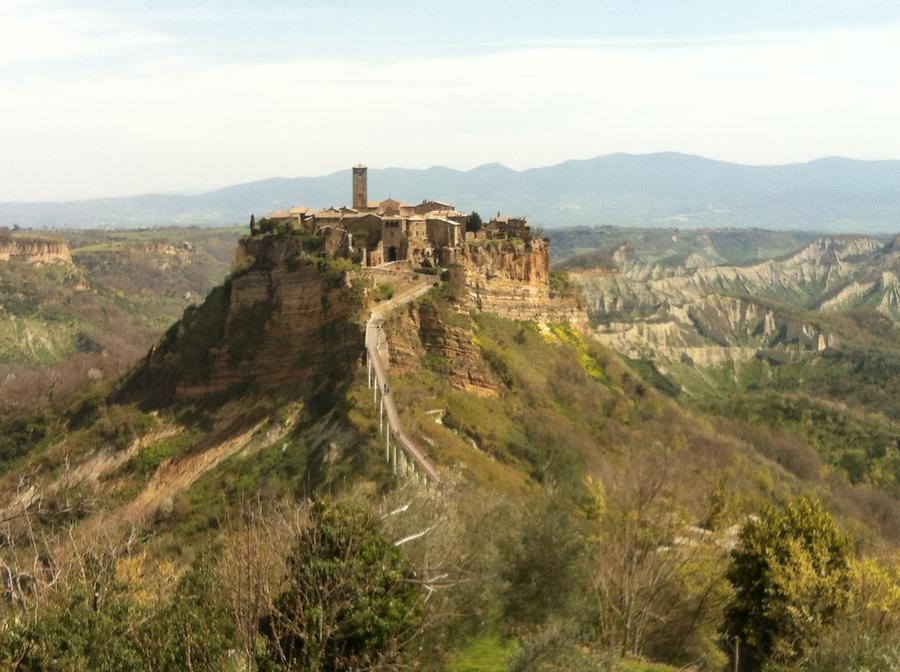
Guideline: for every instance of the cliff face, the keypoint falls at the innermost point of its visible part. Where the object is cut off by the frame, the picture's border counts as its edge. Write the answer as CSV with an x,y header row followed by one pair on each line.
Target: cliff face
x,y
512,279
819,269
714,330
34,250
726,314
286,318
420,332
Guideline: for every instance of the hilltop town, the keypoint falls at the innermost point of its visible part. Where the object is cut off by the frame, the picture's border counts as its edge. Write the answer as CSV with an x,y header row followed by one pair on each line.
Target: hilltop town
x,y
373,233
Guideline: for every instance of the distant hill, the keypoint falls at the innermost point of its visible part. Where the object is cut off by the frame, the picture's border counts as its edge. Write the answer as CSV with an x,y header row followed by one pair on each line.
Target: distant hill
x,y
650,190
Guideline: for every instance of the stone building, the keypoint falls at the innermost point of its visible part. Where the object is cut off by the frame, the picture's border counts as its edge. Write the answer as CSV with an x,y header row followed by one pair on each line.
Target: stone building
x,y
378,232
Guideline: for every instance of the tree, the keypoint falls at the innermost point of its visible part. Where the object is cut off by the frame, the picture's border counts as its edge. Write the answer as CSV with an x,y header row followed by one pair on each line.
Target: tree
x,y
791,575
866,635
474,223
351,599
545,567
193,629
105,618
657,582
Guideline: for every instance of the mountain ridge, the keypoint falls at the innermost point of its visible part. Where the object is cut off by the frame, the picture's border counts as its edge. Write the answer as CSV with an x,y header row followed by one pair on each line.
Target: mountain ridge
x,y
659,189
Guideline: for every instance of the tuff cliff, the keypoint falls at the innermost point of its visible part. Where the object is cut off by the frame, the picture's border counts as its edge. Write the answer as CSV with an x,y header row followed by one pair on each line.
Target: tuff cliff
x,y
287,315
33,250
421,332
513,280
282,317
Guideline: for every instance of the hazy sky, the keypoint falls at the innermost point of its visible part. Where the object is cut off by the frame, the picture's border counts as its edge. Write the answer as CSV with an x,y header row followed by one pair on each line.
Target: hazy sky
x,y
120,97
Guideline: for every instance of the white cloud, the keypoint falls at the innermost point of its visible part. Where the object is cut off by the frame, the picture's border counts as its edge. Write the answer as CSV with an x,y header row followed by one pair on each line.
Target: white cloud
x,y
28,35
175,124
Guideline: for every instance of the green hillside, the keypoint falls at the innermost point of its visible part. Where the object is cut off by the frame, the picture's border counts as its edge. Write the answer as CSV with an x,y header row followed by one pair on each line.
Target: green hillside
x,y
66,325
584,512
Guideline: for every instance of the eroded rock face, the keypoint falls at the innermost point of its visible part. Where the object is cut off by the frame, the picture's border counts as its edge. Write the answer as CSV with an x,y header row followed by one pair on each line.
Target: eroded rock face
x,y
287,318
512,279
418,332
713,330
715,314
823,266
34,250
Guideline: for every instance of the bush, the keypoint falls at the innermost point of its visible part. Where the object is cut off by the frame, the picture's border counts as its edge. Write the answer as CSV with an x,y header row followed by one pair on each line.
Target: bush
x,y
545,568
554,648
104,622
791,575
121,425
866,635
561,285
383,292
351,597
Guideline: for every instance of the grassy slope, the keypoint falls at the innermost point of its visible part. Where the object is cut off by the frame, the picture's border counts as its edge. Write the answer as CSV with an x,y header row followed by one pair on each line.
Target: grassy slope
x,y
570,408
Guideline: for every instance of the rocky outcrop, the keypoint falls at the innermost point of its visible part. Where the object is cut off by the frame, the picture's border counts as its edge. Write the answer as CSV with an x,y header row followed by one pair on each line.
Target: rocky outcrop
x,y
419,332
285,317
34,250
512,279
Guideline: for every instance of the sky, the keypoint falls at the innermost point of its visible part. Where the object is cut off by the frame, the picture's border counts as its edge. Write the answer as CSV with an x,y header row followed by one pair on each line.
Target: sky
x,y
110,98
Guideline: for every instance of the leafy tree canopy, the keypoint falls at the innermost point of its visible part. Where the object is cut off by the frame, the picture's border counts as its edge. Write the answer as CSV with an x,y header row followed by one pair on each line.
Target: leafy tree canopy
x,y
791,576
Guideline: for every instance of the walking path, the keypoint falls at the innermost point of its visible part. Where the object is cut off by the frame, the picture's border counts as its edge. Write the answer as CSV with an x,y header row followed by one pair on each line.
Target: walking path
x,y
410,456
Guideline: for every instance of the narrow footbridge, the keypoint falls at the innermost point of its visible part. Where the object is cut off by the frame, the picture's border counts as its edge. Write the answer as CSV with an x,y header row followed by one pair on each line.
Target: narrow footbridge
x,y
404,456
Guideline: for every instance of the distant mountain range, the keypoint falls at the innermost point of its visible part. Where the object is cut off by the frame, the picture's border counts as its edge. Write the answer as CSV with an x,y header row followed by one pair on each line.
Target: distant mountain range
x,y
649,190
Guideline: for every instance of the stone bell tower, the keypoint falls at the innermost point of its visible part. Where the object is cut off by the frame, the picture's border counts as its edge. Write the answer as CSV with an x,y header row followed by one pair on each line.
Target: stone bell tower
x,y
360,187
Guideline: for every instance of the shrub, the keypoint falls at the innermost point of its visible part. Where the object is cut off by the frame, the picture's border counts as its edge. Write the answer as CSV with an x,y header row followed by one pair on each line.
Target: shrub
x,y
350,598
791,576
561,285
121,425
383,292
